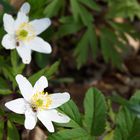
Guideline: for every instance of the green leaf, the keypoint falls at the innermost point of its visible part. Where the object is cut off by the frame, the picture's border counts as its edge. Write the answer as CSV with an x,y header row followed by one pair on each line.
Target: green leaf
x,y
16,118
134,103
14,58
42,60
81,13
91,4
72,111
109,45
5,91
86,43
70,134
81,51
75,9
7,71
16,67
127,126
69,27
95,112
127,9
1,129
3,83
53,8
93,40
12,132
48,72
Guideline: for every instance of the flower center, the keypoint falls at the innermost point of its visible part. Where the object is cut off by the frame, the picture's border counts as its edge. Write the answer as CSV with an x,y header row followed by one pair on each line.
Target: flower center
x,y
25,32
41,101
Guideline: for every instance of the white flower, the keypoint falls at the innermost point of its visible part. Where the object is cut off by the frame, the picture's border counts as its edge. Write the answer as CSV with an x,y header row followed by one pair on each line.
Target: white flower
x,y
38,104
22,34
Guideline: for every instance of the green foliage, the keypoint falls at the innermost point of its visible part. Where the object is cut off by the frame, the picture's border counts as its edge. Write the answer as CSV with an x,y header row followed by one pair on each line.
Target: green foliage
x,y
12,132
95,112
48,72
109,44
92,31
82,49
92,26
76,134
54,4
1,129
89,126
125,9
127,126
72,111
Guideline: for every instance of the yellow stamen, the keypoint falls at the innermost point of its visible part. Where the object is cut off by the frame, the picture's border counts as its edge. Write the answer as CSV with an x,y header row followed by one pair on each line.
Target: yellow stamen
x,y
25,32
41,100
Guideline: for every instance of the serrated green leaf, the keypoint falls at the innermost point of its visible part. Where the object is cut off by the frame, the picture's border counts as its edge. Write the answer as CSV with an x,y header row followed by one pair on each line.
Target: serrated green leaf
x,y
109,44
93,40
87,42
95,112
72,111
127,126
12,132
86,16
75,9
81,51
127,9
81,13
71,134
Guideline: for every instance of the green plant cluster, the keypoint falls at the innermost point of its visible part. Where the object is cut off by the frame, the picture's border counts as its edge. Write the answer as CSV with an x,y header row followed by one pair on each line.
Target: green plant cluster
x,y
99,121
92,30
90,26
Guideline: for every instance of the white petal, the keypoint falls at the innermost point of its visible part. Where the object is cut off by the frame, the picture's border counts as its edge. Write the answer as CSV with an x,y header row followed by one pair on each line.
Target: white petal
x,y
45,120
25,53
41,84
25,87
58,99
30,119
40,25
21,18
8,42
25,8
56,116
8,23
39,45
17,105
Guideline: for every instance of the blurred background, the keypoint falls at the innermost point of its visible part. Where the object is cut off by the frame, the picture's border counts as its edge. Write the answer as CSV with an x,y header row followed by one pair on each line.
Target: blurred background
x,y
95,43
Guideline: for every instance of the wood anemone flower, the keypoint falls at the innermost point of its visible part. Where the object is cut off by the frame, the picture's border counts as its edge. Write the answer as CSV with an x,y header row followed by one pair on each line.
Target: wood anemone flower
x,y
22,35
38,104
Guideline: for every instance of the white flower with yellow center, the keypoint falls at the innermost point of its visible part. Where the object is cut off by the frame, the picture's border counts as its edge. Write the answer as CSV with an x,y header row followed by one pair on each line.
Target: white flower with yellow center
x,y
22,34
38,104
